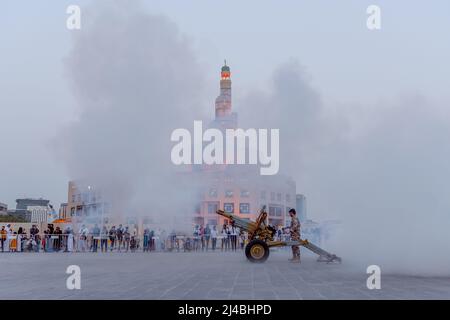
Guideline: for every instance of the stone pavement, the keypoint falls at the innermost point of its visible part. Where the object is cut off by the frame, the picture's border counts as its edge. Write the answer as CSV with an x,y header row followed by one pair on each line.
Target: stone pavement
x,y
212,275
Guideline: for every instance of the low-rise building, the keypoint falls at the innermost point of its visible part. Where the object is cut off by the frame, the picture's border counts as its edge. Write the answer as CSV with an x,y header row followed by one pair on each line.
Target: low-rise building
x,y
63,211
85,204
30,209
3,209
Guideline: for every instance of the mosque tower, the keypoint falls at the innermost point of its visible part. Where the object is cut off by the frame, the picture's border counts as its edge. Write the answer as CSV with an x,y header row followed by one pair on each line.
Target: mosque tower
x,y
225,118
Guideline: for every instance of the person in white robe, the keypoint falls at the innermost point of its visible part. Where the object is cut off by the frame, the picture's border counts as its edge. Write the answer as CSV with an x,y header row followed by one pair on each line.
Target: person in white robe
x,y
8,237
19,243
70,242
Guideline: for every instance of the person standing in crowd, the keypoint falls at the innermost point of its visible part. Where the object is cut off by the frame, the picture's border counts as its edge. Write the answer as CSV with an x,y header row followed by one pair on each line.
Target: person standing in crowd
x,y
34,231
163,237
49,242
173,243
69,238
13,243
19,238
279,233
201,234
243,237
95,236
104,239
127,238
151,238
158,239
214,237
224,238
28,244
89,242
57,241
112,236
239,240
229,237
8,236
146,240
207,235
83,234
119,236
3,238
233,238
24,239
37,242
228,242
238,236
196,237
65,238
133,244
44,240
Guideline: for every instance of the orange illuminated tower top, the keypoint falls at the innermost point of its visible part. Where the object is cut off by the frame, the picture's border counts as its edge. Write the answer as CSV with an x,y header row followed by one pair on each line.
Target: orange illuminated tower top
x,y
225,74
223,101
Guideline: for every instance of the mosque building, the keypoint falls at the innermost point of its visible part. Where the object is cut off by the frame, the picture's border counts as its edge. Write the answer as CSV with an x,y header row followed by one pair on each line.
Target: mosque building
x,y
239,189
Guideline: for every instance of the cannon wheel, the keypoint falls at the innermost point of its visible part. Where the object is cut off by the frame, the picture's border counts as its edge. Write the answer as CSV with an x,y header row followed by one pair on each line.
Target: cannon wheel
x,y
257,251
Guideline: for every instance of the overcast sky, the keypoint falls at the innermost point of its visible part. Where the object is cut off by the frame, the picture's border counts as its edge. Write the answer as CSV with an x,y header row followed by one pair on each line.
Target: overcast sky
x,y
346,62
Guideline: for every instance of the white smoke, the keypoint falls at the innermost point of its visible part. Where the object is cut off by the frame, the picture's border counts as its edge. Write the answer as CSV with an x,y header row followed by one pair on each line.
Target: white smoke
x,y
379,166
135,79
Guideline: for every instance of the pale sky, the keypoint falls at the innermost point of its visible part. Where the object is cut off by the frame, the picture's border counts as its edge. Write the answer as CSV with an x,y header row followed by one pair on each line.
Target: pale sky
x,y
345,60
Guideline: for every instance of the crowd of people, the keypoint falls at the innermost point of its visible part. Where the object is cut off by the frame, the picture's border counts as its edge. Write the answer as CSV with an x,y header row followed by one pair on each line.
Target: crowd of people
x,y
95,239
228,238
123,239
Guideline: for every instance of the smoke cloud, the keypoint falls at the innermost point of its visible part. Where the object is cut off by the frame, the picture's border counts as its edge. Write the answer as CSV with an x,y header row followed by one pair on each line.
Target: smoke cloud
x,y
381,167
135,79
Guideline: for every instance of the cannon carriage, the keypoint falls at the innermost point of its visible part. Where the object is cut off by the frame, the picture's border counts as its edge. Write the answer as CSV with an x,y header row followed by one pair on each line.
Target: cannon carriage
x,y
261,239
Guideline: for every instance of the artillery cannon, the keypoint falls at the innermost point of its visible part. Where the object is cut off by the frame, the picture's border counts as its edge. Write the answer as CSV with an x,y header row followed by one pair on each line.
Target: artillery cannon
x,y
261,236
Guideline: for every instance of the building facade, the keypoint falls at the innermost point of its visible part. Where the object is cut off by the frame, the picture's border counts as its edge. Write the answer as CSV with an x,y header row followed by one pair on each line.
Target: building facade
x,y
63,214
26,206
23,204
85,204
3,209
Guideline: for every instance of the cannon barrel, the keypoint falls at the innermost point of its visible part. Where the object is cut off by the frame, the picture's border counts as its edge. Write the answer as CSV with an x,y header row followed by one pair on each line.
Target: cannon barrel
x,y
239,222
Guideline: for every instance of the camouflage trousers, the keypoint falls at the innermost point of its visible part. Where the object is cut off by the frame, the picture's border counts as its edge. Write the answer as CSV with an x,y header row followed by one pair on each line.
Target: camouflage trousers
x,y
295,249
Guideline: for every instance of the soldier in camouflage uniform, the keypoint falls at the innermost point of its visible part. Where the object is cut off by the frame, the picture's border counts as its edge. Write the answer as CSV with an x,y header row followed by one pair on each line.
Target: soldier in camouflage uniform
x,y
295,235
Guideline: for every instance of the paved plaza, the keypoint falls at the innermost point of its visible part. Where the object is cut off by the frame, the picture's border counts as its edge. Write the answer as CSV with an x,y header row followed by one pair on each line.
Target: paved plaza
x,y
208,275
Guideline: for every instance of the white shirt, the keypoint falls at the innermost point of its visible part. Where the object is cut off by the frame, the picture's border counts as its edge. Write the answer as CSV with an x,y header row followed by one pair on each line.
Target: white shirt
x,y
83,231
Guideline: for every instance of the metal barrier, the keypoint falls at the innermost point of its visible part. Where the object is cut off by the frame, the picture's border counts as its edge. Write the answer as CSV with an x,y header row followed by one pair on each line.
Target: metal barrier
x,y
72,242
